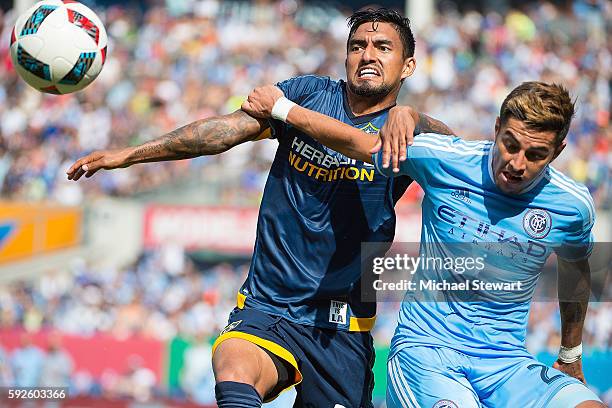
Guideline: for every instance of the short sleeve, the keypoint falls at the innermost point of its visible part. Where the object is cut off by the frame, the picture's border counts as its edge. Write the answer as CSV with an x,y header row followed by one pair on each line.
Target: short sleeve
x,y
579,241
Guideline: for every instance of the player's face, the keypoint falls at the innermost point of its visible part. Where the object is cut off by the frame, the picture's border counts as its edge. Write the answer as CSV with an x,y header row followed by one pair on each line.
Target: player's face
x,y
375,63
521,154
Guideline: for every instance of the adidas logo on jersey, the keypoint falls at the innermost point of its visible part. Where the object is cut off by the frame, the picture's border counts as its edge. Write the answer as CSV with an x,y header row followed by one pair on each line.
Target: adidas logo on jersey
x,y
462,195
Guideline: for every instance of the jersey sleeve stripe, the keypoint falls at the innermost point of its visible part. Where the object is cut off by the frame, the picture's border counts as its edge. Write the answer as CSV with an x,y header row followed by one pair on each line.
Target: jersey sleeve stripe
x,y
579,195
463,152
570,182
580,189
452,141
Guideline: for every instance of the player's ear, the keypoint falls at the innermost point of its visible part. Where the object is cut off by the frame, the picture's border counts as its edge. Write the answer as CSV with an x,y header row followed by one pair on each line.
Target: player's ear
x,y
409,67
497,125
558,150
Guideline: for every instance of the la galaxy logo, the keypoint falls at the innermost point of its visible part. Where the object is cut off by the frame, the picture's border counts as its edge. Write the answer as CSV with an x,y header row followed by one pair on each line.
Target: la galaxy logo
x,y
537,223
370,128
231,326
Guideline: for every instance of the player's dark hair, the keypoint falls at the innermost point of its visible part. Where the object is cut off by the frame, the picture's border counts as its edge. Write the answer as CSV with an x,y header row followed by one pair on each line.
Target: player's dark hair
x,y
540,106
384,15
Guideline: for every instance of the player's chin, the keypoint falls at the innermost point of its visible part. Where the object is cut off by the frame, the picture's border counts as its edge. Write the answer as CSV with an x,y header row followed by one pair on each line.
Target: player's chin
x,y
369,88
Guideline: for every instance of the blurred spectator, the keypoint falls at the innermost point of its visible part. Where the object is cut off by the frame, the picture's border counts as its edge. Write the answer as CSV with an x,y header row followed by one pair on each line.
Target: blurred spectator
x,y
58,367
198,380
6,376
27,363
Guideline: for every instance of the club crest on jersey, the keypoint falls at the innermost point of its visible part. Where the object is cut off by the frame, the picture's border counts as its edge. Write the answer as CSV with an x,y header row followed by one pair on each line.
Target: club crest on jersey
x,y
370,128
445,404
231,326
537,223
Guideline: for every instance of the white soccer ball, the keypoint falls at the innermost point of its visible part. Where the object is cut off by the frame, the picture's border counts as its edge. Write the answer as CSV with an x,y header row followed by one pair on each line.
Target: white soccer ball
x,y
58,46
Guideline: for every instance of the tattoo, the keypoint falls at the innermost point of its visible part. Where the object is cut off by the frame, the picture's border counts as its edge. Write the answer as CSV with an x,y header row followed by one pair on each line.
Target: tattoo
x,y
428,124
203,137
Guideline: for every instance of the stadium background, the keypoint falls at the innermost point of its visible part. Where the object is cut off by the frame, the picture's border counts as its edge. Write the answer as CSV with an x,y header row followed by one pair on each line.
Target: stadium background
x,y
115,286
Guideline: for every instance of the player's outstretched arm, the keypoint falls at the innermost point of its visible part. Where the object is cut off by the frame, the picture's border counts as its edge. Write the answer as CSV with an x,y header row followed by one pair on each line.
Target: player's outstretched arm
x,y
339,136
202,137
574,287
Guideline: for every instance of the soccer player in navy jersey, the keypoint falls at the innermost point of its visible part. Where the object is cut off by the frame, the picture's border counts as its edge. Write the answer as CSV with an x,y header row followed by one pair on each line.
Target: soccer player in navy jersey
x,y
299,318
499,203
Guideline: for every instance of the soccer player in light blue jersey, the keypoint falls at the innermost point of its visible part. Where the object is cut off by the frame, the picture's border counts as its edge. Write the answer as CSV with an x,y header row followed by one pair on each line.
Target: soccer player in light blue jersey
x,y
500,201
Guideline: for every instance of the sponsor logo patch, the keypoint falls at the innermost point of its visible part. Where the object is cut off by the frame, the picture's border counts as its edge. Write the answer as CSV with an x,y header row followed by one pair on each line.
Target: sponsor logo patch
x,y
337,312
462,195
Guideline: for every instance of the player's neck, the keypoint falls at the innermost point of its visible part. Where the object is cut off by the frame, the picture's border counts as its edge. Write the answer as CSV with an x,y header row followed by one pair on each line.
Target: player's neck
x,y
362,105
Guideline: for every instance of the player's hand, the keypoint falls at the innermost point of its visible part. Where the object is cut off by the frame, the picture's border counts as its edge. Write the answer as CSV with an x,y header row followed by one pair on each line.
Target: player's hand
x,y
396,134
260,101
101,159
572,369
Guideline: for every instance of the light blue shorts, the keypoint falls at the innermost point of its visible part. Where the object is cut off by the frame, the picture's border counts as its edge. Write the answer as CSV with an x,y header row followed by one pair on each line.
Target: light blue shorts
x,y
440,377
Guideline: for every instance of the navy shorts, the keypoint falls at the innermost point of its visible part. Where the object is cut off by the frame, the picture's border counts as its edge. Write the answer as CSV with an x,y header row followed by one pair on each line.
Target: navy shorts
x,y
333,369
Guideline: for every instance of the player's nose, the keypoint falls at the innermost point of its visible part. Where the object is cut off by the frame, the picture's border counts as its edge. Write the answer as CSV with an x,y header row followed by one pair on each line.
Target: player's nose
x,y
518,164
369,53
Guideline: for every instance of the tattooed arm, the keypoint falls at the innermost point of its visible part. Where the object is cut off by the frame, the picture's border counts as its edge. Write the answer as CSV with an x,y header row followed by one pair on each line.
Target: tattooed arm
x,y
398,132
427,124
574,287
203,137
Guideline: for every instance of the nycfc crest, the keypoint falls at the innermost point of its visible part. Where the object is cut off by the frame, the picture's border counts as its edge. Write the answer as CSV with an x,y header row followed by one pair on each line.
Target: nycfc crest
x,y
445,404
537,223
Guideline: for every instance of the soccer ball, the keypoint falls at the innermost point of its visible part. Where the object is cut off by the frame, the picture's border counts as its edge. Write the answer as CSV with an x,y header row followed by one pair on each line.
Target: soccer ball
x,y
58,46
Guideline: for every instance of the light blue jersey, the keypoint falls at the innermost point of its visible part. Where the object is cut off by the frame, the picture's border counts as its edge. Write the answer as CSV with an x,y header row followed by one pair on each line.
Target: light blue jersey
x,y
465,215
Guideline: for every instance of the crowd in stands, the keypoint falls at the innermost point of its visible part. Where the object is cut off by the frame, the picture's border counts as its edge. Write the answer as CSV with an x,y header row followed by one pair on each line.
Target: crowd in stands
x,y
171,65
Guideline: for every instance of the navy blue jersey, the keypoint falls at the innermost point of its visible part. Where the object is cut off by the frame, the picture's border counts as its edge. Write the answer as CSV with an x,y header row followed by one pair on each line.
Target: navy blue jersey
x,y
318,207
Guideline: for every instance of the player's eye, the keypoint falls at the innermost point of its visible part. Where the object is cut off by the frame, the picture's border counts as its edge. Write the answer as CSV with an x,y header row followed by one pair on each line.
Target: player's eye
x,y
511,146
535,156
385,48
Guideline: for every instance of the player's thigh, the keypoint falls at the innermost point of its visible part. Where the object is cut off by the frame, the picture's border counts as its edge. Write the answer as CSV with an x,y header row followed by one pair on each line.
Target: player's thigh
x,y
241,361
243,352
575,395
336,368
428,377
526,382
